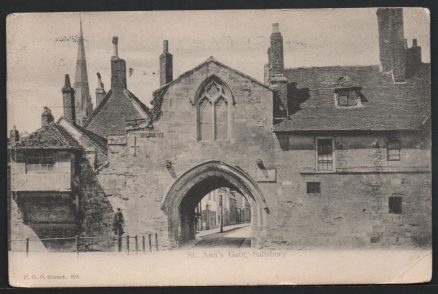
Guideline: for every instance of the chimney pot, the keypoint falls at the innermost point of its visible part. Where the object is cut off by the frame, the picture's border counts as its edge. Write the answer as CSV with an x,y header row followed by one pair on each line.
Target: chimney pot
x,y
100,90
414,43
275,28
115,46
14,136
46,116
67,81
165,46
68,99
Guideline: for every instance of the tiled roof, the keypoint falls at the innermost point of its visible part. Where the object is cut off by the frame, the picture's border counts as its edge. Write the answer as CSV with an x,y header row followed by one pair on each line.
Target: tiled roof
x,y
129,95
386,105
51,136
100,141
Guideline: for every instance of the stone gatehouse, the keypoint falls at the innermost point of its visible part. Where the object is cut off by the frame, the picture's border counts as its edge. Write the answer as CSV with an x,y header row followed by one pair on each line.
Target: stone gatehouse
x,y
326,156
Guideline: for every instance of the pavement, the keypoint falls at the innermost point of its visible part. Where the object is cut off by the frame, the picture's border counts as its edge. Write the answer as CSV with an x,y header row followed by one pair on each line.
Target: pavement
x,y
234,236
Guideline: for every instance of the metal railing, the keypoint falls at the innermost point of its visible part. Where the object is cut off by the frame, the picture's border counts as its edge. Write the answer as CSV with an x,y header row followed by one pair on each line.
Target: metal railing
x,y
150,246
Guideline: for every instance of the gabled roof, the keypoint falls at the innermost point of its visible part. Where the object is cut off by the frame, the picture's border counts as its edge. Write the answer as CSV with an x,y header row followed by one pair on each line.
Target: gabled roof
x,y
142,109
51,136
212,60
158,94
387,106
95,138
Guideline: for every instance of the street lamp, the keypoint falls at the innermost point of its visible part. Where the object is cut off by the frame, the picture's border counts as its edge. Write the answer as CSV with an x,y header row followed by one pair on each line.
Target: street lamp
x,y
222,214
207,218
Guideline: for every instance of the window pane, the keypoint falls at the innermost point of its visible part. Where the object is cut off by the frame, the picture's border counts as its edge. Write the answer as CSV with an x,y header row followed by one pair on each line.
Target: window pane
x,y
40,163
395,204
342,100
394,151
221,119
313,187
325,154
205,120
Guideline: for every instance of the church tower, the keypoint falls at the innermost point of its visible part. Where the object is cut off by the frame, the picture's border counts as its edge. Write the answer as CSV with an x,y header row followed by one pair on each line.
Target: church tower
x,y
84,106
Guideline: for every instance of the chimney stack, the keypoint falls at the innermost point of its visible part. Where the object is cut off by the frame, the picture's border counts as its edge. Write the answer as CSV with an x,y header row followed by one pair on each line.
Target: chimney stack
x,y
14,136
68,97
100,90
413,59
276,50
274,74
391,42
46,117
166,65
118,69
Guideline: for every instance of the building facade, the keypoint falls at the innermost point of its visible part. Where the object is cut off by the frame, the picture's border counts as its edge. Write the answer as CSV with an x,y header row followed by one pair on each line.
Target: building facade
x,y
334,156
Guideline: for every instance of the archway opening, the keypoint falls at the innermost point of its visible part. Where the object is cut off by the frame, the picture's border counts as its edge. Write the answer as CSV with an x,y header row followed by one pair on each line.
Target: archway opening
x,y
183,198
216,214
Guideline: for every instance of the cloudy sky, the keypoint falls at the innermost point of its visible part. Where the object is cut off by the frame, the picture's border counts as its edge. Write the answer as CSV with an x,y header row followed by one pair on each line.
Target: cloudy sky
x,y
40,47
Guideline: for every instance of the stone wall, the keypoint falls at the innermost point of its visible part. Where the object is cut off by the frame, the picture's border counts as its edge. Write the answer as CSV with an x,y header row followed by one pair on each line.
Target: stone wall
x,y
351,210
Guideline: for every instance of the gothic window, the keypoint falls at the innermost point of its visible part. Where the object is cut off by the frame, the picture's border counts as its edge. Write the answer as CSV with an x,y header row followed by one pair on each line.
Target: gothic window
x,y
213,112
205,121
221,119
325,157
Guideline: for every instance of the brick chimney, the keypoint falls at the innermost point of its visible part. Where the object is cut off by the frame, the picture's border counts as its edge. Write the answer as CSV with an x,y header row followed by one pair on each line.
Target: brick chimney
x,y
14,136
100,90
166,65
68,97
46,117
391,42
274,73
275,52
118,68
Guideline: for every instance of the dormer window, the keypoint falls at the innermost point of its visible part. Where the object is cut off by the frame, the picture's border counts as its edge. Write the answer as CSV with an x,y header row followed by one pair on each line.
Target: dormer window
x,y
347,98
347,94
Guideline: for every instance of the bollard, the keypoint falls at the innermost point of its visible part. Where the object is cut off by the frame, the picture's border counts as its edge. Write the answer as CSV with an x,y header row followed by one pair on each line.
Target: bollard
x,y
127,243
143,243
150,242
77,244
156,241
27,247
136,244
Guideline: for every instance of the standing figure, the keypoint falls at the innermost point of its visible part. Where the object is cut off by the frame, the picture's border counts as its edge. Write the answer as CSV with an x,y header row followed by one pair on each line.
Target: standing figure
x,y
118,224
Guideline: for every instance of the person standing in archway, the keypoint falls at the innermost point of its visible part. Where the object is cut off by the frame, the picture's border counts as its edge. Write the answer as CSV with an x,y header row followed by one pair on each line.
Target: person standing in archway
x,y
118,224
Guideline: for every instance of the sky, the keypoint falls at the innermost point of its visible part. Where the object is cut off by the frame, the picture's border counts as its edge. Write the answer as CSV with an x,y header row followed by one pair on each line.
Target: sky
x,y
41,47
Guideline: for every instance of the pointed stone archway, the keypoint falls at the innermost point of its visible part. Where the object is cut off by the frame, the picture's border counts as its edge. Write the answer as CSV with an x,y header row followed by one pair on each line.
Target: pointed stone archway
x,y
180,201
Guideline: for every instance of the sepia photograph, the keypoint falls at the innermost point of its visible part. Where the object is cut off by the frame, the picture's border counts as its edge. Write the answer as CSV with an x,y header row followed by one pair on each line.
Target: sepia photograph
x,y
219,147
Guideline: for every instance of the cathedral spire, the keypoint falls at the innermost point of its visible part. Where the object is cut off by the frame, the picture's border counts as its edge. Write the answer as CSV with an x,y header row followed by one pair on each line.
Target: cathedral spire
x,y
84,106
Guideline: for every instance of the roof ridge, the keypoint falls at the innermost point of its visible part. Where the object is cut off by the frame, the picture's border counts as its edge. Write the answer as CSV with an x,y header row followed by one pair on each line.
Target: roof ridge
x,y
211,59
332,66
